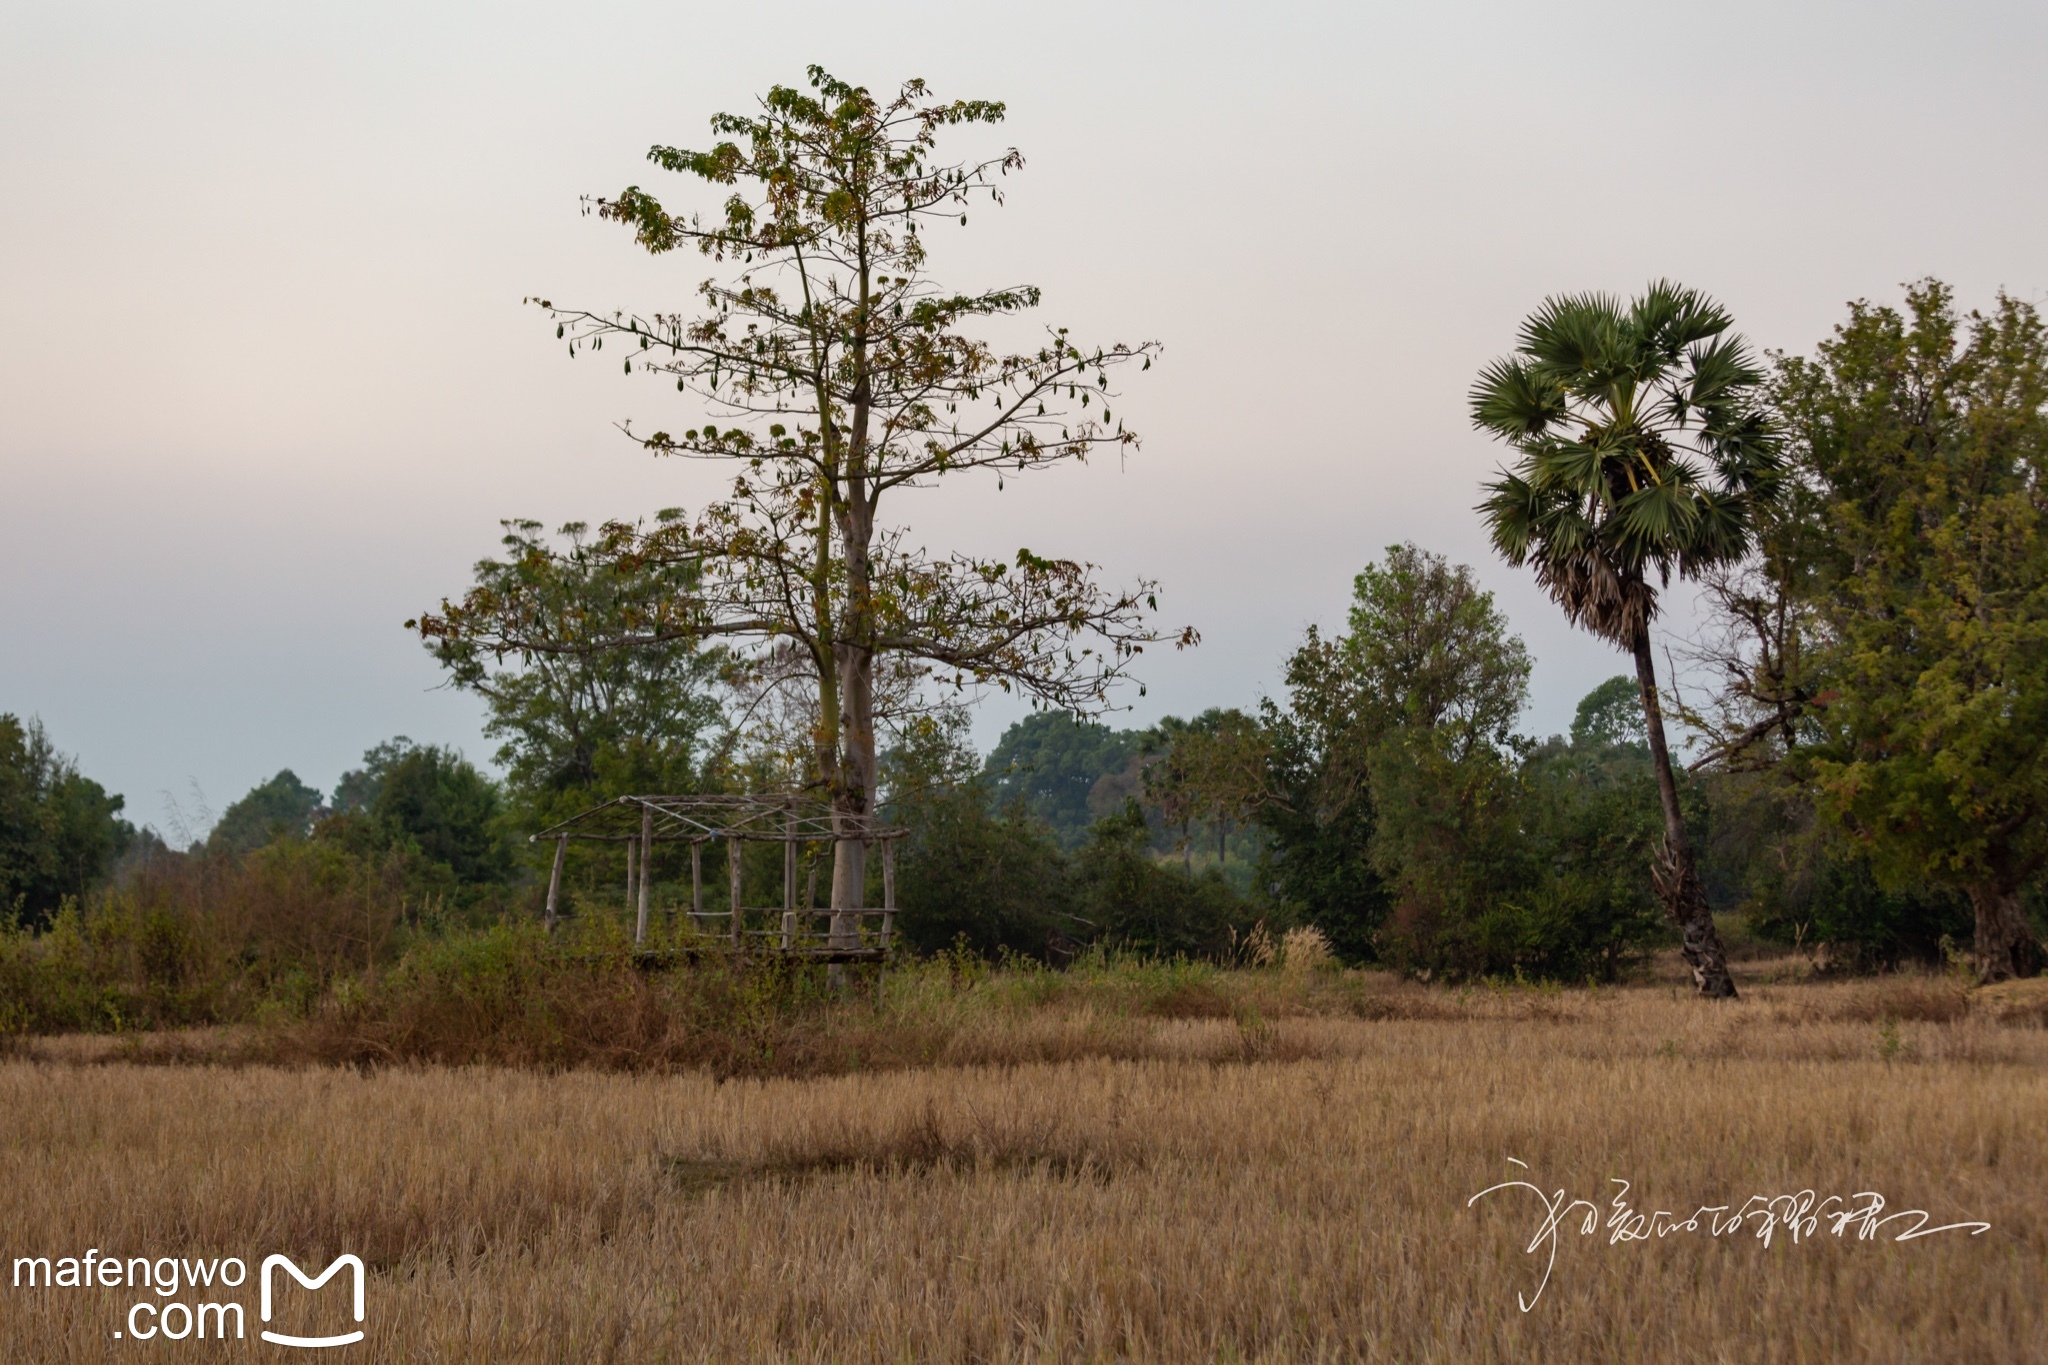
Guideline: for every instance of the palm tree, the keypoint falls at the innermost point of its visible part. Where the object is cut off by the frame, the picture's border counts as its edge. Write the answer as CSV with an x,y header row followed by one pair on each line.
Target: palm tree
x,y
1646,447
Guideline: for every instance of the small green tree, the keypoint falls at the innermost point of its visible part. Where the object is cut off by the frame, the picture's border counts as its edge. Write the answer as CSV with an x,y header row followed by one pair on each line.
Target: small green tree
x,y
1141,904
1418,697
983,872
282,808
1589,820
1645,449
1318,823
427,801
60,832
580,718
1611,714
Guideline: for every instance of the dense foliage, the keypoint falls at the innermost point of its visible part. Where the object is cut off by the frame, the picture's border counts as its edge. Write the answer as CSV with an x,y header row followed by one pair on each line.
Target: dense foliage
x,y
983,871
1411,823
1886,654
429,803
60,832
1049,765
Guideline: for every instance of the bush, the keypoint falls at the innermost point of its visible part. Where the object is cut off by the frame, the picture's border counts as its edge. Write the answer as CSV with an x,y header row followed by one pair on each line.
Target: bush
x,y
994,883
1140,904
202,938
1537,869
1800,883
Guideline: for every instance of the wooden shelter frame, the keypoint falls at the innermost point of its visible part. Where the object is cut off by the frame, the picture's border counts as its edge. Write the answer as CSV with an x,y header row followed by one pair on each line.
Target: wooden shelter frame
x,y
641,822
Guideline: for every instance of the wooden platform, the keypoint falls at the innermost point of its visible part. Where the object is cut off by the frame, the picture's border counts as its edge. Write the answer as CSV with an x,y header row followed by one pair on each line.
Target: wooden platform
x,y
655,958
789,819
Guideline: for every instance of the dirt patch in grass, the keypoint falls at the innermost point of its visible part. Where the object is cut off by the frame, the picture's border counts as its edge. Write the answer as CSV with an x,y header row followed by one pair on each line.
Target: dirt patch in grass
x,y
1191,1000
964,1141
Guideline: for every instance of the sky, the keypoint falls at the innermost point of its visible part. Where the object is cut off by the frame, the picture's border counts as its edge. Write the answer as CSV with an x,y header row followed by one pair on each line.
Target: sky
x,y
268,385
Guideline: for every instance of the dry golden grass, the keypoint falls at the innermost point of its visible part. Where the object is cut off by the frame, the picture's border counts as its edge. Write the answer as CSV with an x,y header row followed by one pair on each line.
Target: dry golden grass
x,y
1243,1174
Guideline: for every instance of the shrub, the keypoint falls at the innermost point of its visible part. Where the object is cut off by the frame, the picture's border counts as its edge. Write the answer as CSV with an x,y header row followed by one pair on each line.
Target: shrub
x,y
1140,904
204,938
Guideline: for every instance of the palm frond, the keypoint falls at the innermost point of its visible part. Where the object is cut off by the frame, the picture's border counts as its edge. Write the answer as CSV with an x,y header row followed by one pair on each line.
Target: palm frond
x,y
1720,532
1621,415
1576,469
1748,454
1511,509
1511,400
1659,519
1722,373
1670,317
1578,341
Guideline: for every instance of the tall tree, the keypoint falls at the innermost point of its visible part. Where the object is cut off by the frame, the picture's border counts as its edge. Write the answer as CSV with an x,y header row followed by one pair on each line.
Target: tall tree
x,y
1645,447
1911,688
1438,682
836,371
1425,672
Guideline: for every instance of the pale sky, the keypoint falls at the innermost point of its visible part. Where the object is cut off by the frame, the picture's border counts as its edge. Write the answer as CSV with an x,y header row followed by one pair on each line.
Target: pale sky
x,y
267,386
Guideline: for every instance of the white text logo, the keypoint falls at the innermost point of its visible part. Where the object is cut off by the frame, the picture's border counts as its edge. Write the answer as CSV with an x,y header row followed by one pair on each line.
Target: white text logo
x,y
354,1263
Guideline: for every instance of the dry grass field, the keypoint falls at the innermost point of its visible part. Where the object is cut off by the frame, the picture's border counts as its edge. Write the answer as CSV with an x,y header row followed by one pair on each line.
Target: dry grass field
x,y
1194,1179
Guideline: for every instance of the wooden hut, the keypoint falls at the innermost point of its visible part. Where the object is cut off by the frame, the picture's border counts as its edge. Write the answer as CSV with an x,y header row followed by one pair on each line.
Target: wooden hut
x,y
833,933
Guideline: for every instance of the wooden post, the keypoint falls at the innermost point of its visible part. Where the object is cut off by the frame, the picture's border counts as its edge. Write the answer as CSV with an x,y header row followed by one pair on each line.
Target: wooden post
x,y
629,872
788,877
888,889
555,879
646,866
697,885
843,933
732,857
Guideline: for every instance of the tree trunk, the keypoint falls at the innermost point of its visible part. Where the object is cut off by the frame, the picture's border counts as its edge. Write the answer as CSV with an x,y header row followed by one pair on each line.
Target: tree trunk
x,y
1677,880
854,799
2005,946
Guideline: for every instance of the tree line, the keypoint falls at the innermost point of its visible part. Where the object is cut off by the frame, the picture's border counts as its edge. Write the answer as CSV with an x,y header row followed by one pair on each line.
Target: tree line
x,y
1862,769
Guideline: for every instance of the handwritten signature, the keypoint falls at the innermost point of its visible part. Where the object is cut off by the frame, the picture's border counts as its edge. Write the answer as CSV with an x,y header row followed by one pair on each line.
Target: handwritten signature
x,y
1801,1217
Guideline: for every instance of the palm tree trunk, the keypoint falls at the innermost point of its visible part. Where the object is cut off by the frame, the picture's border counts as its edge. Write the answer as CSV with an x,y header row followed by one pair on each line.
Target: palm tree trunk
x,y
1678,881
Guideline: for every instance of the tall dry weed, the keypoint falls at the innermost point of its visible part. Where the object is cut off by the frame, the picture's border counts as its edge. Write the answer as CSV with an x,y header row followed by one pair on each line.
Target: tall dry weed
x,y
1306,949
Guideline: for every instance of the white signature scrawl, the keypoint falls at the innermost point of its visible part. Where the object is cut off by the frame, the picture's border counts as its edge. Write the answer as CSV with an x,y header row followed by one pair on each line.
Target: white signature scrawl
x,y
1800,1216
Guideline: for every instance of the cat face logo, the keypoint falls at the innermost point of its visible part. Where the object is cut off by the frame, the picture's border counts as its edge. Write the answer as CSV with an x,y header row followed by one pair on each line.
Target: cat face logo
x,y
354,1263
